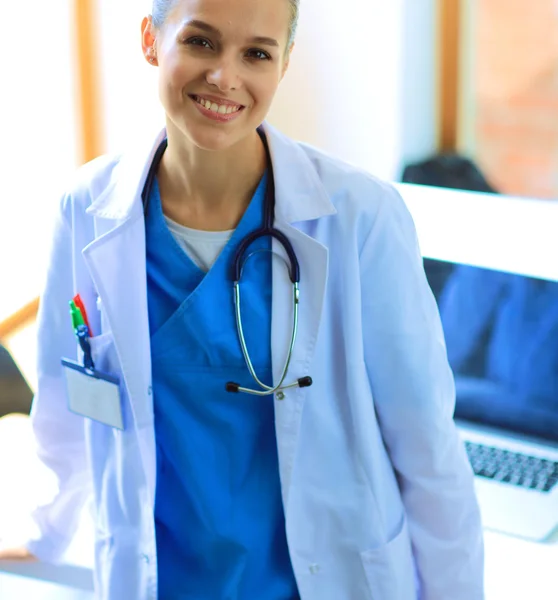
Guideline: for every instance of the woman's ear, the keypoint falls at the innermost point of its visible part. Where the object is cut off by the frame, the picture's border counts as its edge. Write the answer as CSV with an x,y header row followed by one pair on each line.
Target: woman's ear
x,y
148,41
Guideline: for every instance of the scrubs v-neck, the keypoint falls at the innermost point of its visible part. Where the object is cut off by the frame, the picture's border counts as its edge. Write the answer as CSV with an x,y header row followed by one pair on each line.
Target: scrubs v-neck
x,y
220,525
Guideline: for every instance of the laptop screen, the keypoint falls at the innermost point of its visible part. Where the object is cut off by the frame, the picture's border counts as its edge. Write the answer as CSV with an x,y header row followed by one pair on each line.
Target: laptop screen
x,y
501,334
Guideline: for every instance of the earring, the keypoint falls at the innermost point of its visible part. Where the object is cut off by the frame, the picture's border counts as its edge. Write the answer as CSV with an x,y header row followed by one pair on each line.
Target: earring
x,y
152,55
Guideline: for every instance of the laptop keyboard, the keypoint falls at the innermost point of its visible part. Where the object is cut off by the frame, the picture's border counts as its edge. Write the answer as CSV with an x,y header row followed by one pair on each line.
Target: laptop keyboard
x,y
513,468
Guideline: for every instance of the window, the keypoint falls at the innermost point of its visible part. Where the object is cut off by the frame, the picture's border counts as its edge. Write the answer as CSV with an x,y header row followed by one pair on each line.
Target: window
x,y
509,99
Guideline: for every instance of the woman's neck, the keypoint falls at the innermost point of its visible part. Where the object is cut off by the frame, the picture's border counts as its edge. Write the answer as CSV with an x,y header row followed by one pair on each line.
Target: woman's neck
x,y
210,190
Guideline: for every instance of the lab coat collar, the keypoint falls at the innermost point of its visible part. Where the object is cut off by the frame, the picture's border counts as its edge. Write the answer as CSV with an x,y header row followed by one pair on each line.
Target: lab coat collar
x,y
300,195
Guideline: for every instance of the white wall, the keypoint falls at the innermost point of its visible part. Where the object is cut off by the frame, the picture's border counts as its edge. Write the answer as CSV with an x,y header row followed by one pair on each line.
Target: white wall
x,y
37,140
361,83
129,83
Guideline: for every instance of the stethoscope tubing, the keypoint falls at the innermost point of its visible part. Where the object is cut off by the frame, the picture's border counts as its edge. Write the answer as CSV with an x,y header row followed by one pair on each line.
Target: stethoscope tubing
x,y
266,389
237,265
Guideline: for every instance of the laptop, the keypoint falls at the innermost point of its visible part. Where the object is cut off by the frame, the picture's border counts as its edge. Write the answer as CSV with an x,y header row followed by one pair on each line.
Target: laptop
x,y
501,331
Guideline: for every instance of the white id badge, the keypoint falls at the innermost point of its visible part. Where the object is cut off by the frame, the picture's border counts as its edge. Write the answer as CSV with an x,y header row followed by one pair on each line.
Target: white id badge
x,y
93,394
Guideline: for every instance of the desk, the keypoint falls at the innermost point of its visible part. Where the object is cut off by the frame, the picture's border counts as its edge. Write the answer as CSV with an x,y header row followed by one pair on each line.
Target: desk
x,y
72,580
520,570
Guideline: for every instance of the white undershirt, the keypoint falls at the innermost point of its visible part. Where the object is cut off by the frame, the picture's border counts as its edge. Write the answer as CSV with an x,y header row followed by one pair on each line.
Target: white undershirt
x,y
203,247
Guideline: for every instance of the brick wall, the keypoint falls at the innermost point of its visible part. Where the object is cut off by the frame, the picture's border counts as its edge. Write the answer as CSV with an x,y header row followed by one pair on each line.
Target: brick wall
x,y
516,95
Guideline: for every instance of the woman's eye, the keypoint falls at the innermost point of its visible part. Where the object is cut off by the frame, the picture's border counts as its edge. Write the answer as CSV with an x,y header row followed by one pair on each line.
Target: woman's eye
x,y
258,54
203,43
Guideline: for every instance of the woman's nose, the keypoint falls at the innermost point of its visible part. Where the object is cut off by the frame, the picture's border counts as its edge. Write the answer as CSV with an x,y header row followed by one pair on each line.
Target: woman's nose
x,y
224,75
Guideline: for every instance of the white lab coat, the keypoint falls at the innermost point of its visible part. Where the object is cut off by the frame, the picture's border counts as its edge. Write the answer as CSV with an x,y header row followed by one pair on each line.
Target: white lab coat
x,y
375,480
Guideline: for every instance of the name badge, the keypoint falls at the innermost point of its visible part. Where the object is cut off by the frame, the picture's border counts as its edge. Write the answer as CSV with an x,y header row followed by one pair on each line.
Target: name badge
x,y
92,393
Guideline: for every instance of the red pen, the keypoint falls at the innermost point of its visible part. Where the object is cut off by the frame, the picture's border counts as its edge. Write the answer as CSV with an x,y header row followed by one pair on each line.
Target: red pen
x,y
79,303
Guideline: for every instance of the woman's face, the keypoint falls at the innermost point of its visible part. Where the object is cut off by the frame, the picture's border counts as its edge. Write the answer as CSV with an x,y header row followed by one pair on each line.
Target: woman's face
x,y
220,64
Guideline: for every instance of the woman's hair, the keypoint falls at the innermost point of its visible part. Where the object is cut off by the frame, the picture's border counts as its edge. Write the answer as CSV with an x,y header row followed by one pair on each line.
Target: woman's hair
x,y
161,9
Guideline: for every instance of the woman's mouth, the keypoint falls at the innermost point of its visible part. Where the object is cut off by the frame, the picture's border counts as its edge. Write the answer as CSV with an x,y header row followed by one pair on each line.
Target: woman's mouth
x,y
219,108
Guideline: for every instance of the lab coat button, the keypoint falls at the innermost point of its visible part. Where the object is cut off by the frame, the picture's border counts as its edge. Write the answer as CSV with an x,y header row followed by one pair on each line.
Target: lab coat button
x,y
145,558
314,569
149,391
280,396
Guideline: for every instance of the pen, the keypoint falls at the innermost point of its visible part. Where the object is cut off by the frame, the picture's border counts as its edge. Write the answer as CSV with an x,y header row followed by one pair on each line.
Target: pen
x,y
79,303
77,317
82,333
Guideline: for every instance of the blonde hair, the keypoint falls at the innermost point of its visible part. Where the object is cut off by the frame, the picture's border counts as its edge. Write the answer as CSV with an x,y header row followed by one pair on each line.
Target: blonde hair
x,y
162,8
293,25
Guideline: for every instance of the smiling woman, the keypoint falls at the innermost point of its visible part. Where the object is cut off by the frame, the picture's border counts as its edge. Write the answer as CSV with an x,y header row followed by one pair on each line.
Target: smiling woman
x,y
296,445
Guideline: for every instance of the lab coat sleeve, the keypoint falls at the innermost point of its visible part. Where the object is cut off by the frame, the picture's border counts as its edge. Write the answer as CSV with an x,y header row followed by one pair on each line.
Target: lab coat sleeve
x,y
59,434
414,396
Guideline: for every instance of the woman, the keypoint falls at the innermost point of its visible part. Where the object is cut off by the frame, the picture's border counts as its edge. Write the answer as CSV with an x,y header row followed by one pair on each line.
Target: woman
x,y
353,484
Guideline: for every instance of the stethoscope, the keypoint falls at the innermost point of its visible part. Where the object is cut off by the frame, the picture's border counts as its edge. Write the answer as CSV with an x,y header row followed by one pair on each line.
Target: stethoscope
x,y
238,263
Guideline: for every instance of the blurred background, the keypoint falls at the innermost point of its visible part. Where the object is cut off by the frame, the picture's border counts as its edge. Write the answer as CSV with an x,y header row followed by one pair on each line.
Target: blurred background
x,y
450,93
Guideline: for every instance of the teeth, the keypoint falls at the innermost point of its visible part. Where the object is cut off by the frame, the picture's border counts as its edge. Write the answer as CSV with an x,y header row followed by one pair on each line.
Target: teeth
x,y
214,107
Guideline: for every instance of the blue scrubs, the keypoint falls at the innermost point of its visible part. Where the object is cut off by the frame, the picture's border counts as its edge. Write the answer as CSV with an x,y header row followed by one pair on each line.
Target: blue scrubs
x,y
220,525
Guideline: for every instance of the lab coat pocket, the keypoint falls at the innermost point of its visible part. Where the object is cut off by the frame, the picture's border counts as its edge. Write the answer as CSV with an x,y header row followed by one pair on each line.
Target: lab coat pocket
x,y
390,569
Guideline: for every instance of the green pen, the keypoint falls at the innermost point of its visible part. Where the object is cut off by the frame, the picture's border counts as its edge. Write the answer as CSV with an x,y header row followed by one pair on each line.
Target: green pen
x,y
77,317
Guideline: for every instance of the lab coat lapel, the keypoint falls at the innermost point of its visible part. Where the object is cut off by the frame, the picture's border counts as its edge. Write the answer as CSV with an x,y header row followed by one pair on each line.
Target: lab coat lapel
x,y
300,199
116,262
313,259
117,265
